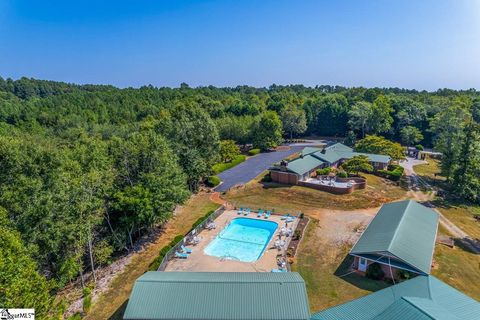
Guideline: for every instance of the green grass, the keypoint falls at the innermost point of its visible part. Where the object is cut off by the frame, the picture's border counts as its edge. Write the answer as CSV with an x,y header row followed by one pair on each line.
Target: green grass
x,y
284,198
462,215
322,266
458,268
220,167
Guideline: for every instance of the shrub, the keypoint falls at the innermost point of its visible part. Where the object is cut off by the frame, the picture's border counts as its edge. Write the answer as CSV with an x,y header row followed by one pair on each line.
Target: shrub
x,y
212,181
419,147
394,172
297,235
200,220
342,174
404,274
375,272
253,152
301,215
267,178
87,299
324,171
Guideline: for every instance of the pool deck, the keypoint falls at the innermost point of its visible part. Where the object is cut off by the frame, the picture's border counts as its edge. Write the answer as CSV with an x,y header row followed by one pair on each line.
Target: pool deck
x,y
199,261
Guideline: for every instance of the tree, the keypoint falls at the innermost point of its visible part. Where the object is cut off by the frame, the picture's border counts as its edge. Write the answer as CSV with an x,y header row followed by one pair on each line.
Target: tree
x,y
359,116
380,145
268,131
228,150
410,135
357,164
448,129
294,121
381,120
21,285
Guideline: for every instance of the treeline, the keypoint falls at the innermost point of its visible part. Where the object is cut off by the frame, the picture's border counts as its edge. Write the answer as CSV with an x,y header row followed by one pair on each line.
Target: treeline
x,y
85,170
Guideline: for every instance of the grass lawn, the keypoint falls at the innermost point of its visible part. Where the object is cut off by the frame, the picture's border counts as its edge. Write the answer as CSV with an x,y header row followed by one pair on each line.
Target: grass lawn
x,y
111,304
458,268
220,167
462,216
321,263
283,198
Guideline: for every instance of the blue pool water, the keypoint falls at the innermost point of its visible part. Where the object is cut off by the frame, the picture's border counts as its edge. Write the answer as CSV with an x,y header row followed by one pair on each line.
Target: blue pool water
x,y
243,239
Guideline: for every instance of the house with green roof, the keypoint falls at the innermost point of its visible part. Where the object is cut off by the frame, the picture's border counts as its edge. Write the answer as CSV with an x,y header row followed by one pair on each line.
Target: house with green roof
x,y
311,159
257,295
400,237
420,298
218,295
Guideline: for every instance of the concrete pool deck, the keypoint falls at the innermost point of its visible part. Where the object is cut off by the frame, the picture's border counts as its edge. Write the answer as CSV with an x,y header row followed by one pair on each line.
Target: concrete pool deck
x,y
199,261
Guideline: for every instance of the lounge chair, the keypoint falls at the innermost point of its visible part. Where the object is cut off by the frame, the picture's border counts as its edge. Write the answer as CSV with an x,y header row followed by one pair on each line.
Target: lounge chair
x,y
211,225
260,213
240,211
286,216
246,212
180,255
290,219
185,249
279,270
267,215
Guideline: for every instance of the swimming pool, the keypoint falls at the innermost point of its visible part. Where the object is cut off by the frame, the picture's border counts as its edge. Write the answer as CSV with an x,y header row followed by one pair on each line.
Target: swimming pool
x,y
244,239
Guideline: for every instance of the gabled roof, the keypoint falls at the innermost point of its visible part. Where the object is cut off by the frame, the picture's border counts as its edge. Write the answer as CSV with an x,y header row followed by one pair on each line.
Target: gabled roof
x,y
218,295
404,229
423,297
339,151
304,164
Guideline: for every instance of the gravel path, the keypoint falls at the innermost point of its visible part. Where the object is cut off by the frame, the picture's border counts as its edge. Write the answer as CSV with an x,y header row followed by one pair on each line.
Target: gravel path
x,y
414,183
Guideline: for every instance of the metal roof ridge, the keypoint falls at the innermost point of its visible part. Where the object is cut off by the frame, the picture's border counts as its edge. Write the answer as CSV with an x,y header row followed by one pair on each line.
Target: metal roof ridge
x,y
409,202
405,298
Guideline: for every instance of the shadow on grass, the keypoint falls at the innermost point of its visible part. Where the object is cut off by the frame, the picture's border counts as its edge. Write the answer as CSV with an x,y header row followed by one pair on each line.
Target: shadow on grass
x,y
361,282
468,245
118,315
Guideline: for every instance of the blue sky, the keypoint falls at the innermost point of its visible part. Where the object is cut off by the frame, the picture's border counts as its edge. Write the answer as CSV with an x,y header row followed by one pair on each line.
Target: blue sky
x,y
413,44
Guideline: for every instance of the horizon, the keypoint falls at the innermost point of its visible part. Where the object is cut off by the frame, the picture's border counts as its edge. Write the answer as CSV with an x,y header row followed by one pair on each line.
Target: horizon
x,y
416,46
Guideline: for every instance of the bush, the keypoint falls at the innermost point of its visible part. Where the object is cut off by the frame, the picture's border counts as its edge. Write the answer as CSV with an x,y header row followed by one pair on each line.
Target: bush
x,y
324,171
301,215
394,172
297,235
201,219
163,252
267,178
253,152
419,147
87,299
342,174
219,167
213,181
404,274
375,272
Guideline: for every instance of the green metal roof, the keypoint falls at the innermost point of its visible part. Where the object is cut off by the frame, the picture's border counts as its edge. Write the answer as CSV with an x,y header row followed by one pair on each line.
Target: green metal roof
x,y
404,229
423,297
309,150
218,295
340,151
304,164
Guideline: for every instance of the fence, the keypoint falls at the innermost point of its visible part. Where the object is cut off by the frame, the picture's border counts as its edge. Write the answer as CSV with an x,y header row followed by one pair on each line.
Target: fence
x,y
171,253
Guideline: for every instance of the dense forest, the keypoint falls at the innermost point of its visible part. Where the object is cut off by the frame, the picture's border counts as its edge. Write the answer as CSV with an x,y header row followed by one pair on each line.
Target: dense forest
x,y
85,170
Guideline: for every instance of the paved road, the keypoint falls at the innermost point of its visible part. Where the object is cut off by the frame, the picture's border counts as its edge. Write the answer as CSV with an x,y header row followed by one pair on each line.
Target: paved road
x,y
252,167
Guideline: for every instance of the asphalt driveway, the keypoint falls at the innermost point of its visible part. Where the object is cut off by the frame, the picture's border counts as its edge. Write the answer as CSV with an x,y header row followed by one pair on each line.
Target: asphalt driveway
x,y
252,167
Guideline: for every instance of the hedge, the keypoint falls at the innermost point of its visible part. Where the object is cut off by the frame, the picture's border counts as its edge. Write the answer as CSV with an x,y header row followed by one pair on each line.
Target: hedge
x,y
158,260
213,181
394,172
253,152
219,167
